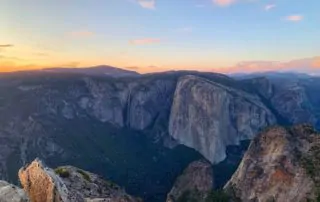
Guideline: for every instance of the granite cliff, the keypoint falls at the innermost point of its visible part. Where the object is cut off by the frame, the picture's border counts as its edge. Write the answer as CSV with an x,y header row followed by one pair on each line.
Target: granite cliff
x,y
208,116
280,165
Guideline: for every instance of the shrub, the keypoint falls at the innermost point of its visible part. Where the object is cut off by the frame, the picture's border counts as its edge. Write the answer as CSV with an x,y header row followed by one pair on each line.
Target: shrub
x,y
84,175
62,172
217,196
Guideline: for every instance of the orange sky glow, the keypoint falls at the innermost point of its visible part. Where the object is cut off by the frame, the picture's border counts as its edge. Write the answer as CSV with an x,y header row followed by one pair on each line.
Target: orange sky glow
x,y
224,36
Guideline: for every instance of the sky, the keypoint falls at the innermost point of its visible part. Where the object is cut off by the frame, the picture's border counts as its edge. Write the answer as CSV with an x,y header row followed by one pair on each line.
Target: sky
x,y
159,35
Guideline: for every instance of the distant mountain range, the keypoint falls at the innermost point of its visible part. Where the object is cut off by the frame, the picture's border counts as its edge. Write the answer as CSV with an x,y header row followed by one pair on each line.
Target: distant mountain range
x,y
272,75
105,70
95,71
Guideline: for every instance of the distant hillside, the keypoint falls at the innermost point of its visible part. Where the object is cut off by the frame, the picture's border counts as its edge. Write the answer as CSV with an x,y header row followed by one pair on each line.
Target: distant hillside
x,y
95,71
271,75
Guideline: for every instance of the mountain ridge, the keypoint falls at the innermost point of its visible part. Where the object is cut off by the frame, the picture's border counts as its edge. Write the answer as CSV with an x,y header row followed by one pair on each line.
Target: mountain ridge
x,y
102,123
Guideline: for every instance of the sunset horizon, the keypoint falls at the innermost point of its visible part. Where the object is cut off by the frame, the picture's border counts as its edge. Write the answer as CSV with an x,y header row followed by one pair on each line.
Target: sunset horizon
x,y
153,36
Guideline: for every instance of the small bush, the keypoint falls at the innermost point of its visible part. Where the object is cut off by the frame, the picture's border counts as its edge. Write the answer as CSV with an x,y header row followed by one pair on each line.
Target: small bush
x,y
188,196
111,185
62,172
217,196
84,175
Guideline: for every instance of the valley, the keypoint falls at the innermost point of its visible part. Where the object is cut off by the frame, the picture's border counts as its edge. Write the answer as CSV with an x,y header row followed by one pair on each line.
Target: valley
x,y
142,131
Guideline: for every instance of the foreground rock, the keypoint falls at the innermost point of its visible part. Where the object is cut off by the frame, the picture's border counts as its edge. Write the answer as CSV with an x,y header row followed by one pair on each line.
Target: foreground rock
x,y
43,185
67,184
92,187
281,165
11,193
196,182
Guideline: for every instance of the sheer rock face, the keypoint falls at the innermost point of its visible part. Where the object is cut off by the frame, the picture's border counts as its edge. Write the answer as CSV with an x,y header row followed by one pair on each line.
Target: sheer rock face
x,y
292,101
135,104
280,165
11,193
197,177
208,116
43,185
295,99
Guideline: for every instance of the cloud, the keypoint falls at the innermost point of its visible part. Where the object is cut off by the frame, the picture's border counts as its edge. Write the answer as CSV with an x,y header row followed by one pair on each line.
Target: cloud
x,y
224,3
269,7
6,45
148,4
145,41
307,65
316,62
133,67
147,69
81,34
153,67
294,18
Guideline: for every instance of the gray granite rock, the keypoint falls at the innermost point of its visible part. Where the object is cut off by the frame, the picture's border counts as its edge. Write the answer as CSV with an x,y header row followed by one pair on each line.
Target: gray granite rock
x,y
208,116
11,193
280,165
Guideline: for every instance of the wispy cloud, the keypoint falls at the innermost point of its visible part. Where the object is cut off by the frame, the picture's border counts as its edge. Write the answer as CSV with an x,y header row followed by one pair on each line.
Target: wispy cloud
x,y
294,18
144,69
148,4
81,34
6,45
145,41
224,3
133,67
269,7
308,65
153,67
316,62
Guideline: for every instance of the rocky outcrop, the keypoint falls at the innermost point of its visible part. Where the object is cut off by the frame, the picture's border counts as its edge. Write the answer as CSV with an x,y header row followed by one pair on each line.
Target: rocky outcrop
x,y
68,184
92,187
11,193
196,181
208,116
43,185
280,165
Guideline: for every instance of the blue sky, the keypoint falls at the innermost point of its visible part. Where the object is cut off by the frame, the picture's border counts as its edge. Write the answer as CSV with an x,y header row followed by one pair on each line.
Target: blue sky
x,y
157,35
